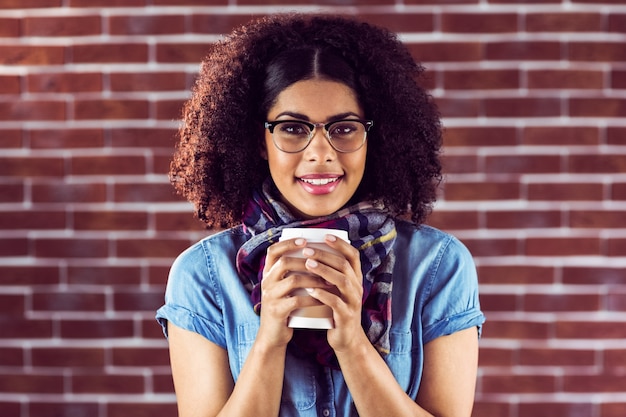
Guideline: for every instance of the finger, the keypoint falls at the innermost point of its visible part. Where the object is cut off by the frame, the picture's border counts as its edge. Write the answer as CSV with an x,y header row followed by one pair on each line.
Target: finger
x,y
277,250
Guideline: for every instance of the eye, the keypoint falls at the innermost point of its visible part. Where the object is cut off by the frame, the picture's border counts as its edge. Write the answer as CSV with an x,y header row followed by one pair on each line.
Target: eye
x,y
344,129
293,129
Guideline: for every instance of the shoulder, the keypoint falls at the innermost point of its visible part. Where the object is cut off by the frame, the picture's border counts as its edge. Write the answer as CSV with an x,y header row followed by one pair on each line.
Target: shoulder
x,y
222,243
424,239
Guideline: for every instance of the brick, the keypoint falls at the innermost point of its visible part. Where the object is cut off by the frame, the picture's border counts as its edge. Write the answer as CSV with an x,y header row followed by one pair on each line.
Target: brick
x,y
68,301
138,300
459,163
563,22
493,247
597,218
9,28
142,356
523,164
616,247
616,301
150,329
496,357
32,220
143,192
565,192
594,383
602,163
71,248
480,136
161,162
12,304
460,107
446,51
11,192
149,248
161,81
561,302
68,357
107,383
522,107
604,51
515,274
66,138
481,80
108,3
157,275
593,275
169,109
221,24
490,408
29,4
62,26
32,55
147,25
479,22
181,53
32,167
109,53
523,219
557,357
178,222
16,327
29,275
519,383
126,409
551,409
617,22
597,107
618,79
453,220
141,138
110,220
65,82
616,136
589,330
163,383
11,138
111,109
612,409
97,329
64,192
10,84
499,302
560,135
105,275
11,356
566,246
523,51
614,359
74,408
31,383
485,190
565,79
108,165
30,110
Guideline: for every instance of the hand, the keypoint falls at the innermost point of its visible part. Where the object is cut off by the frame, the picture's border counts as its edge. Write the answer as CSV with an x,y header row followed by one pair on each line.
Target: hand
x,y
343,272
280,279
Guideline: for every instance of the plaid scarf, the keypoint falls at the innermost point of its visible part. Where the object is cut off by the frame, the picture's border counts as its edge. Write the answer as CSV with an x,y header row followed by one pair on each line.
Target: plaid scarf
x,y
370,229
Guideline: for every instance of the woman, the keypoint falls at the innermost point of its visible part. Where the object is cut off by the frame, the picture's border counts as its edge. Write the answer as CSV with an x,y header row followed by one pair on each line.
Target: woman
x,y
317,121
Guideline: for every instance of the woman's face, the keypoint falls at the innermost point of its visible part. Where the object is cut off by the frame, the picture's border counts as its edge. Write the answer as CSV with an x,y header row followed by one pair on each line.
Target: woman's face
x,y
318,180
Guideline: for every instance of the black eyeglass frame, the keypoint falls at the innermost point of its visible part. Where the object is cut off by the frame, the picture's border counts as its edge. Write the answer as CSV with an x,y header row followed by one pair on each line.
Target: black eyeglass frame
x,y
367,124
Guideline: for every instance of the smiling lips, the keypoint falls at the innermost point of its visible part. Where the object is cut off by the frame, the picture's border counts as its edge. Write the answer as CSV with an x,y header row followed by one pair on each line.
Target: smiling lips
x,y
320,185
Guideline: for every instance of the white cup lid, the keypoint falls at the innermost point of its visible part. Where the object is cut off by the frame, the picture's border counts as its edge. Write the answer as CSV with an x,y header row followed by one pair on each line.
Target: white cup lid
x,y
313,234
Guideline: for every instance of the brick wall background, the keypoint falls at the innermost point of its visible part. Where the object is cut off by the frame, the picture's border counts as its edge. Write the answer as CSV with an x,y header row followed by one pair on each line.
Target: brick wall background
x,y
533,95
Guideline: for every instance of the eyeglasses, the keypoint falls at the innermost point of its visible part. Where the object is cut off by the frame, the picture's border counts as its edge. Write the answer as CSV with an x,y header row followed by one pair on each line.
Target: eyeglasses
x,y
293,136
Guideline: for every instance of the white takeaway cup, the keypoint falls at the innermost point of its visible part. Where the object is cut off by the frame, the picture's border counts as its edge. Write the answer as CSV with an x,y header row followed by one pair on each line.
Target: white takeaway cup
x,y
314,317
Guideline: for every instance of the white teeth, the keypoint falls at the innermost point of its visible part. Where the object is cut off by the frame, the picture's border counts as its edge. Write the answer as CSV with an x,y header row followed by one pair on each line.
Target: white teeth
x,y
319,181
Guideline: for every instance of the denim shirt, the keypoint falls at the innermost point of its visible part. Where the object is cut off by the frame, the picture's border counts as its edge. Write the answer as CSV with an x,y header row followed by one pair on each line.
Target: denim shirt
x,y
435,293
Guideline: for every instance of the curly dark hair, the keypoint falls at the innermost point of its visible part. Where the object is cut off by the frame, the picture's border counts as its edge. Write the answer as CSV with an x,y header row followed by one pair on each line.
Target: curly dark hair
x,y
217,162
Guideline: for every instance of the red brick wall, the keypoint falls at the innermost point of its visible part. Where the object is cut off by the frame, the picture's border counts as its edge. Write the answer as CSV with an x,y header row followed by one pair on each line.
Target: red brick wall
x,y
533,95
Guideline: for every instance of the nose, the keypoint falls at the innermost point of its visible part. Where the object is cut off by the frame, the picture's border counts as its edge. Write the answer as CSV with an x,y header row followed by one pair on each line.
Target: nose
x,y
320,149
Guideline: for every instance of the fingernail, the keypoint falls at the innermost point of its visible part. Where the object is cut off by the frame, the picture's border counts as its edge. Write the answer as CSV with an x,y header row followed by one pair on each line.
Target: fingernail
x,y
308,252
311,263
299,242
309,290
331,238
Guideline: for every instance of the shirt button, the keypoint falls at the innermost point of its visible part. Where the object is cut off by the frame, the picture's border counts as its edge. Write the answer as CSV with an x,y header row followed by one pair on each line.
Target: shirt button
x,y
326,412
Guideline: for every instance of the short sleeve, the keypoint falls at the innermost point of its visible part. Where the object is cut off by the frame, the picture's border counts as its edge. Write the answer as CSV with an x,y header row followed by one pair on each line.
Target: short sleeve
x,y
193,298
452,302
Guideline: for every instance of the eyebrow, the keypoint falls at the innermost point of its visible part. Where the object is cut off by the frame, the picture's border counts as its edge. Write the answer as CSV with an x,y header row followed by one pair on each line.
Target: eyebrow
x,y
304,117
